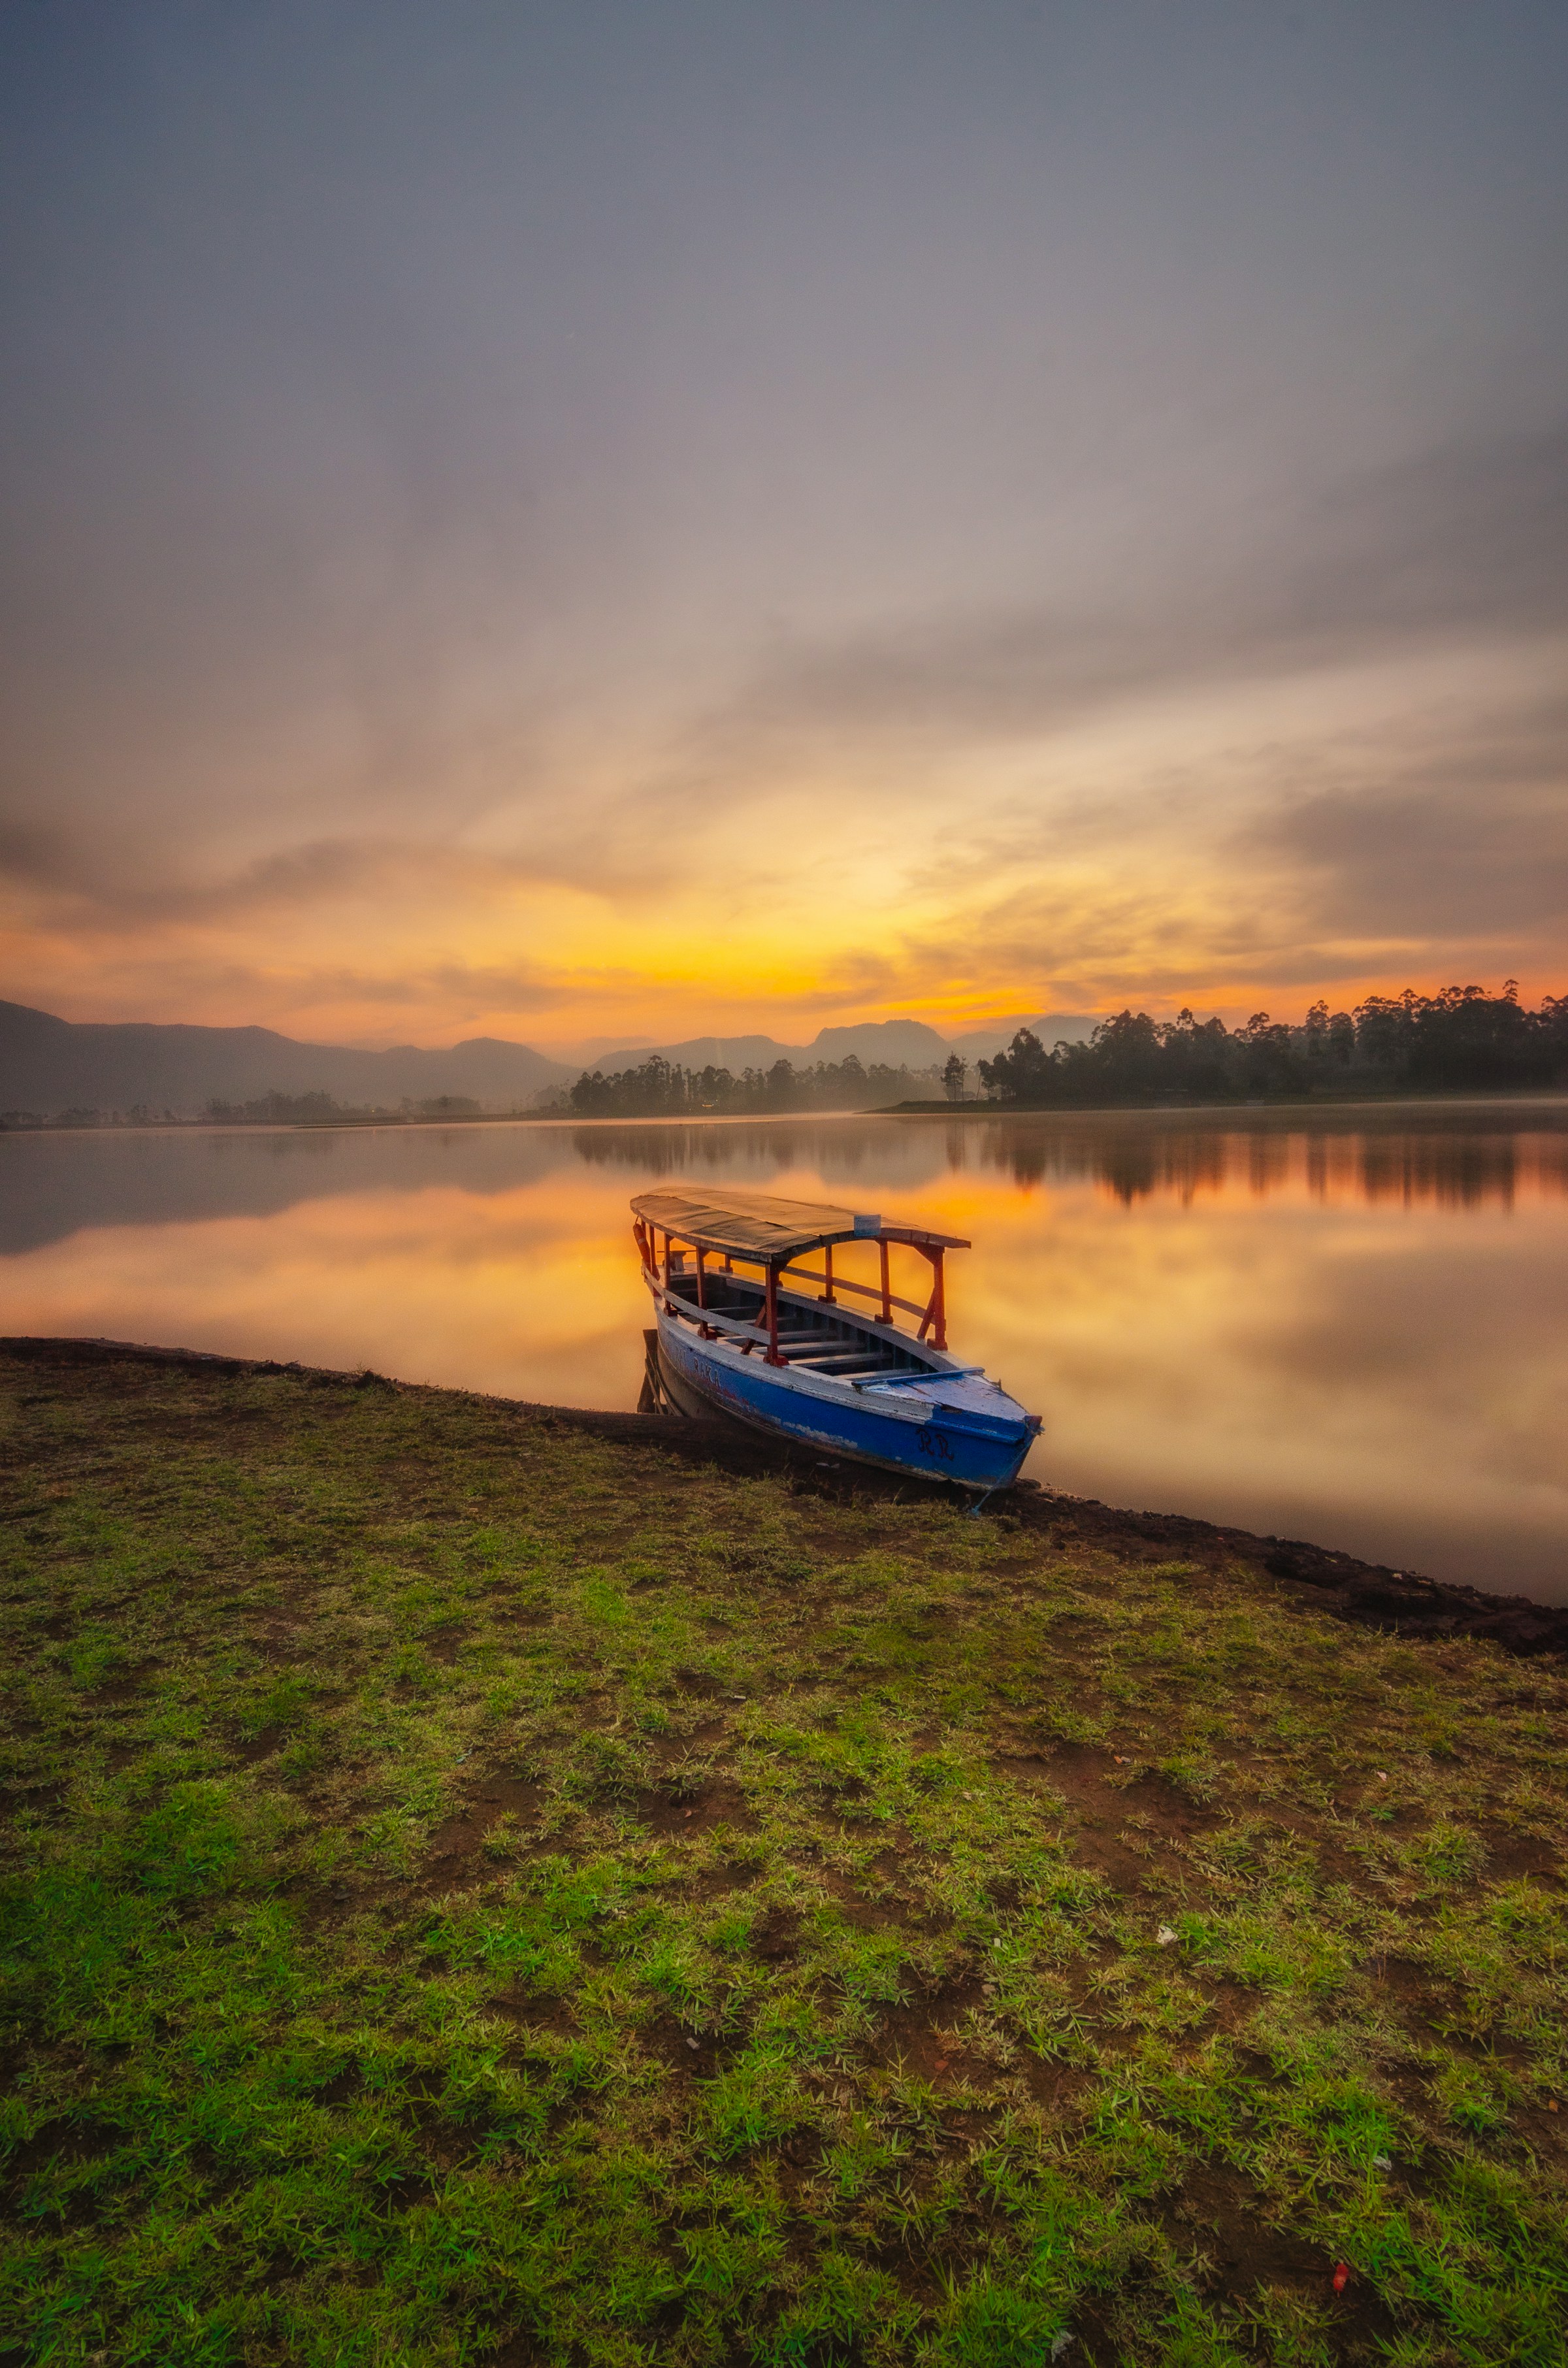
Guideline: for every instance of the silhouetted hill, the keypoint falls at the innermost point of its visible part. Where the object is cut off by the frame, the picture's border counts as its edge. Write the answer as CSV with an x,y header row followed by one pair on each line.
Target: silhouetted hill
x,y
1068,1027
908,1042
48,1065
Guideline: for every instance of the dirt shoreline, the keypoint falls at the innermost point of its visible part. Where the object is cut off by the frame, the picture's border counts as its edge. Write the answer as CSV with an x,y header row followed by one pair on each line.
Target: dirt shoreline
x,y
1405,1603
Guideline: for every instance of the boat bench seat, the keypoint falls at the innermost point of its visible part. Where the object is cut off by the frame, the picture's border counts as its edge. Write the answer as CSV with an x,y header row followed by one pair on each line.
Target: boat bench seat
x,y
827,1348
853,1359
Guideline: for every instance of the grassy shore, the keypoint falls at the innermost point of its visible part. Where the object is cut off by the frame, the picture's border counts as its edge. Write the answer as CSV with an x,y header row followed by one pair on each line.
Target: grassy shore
x,y
478,1890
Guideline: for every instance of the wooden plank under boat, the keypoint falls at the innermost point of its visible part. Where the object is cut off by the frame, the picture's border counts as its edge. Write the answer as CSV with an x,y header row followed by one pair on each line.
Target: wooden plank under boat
x,y
745,1327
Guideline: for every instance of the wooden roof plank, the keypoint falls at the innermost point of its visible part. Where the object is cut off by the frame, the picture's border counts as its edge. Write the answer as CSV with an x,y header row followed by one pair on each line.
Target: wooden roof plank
x,y
769,1229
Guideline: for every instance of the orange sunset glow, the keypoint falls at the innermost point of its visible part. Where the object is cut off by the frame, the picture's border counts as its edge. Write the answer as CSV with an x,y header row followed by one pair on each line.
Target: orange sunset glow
x,y
849,891
751,547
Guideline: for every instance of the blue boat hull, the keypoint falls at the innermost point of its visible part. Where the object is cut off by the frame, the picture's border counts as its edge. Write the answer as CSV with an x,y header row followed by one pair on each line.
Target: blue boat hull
x,y
952,1444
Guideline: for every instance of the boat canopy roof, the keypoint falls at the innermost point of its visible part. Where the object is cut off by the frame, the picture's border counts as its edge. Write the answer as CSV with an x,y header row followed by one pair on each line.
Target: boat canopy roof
x,y
755,1226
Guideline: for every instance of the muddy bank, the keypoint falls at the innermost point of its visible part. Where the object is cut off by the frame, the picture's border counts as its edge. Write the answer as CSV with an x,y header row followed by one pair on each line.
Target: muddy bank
x,y
1369,1594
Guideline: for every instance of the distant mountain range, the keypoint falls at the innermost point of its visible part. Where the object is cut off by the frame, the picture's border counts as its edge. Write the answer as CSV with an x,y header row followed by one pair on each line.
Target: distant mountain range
x,y
48,1065
909,1043
1051,1027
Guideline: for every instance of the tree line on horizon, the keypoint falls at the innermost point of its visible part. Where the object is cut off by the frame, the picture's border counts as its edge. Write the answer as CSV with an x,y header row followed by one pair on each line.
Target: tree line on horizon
x,y
1459,1039
319,1108
661,1088
272,1108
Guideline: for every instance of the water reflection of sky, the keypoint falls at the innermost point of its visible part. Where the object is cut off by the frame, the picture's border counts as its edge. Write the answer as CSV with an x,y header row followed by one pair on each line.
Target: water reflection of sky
x,y
1349,1328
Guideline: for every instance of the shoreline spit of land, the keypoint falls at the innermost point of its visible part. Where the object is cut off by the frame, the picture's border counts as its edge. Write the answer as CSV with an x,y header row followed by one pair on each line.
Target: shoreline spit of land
x,y
1405,1603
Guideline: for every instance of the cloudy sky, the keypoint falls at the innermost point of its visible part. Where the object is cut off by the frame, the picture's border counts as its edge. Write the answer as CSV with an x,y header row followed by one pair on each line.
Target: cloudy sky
x,y
579,521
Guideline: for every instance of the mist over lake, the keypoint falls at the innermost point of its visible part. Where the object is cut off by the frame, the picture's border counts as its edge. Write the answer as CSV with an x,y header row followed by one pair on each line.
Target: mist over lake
x,y
1344,1325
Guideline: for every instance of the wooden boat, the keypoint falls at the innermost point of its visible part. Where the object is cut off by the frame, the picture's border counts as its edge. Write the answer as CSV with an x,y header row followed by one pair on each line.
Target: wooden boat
x,y
743,1327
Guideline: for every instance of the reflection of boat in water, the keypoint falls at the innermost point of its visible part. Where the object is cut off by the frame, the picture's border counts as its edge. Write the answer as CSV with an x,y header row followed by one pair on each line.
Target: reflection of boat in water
x,y
738,1330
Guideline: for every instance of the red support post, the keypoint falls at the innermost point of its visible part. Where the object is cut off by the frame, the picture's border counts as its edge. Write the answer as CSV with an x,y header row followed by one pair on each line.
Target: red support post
x,y
887,1294
772,1293
936,1315
701,1283
827,1271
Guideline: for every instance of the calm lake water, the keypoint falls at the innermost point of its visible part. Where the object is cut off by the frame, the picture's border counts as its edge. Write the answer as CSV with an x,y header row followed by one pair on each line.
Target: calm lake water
x,y
1349,1327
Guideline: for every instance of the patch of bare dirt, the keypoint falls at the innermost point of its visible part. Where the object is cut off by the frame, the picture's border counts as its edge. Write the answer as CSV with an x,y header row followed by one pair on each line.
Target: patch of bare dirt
x,y
865,1915
795,2160
1053,2085
35,1800
1511,1855
260,1746
1231,2005
1094,1846
65,2140
524,1613
923,2037
120,1687
671,1810
1218,2217
688,2054
463,1835
1101,1811
1545,2131
535,2013
718,1881
515,2352
340,2087
775,1937
673,1750
1408,1990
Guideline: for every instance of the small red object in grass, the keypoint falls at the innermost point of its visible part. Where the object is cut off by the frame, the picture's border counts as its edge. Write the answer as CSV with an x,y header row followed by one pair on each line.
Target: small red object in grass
x,y
1341,2278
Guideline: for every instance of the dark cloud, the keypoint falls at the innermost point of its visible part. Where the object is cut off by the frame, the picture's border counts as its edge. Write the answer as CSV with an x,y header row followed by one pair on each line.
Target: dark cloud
x,y
1468,844
1466,544
1450,864
31,853
474,986
1471,538
241,992
318,872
